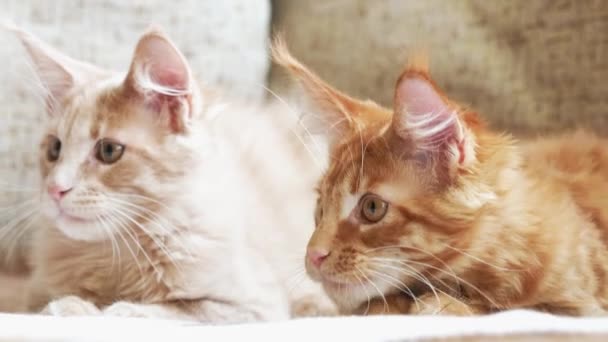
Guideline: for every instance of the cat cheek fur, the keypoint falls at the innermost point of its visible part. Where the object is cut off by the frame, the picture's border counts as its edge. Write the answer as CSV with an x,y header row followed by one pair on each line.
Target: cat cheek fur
x,y
484,226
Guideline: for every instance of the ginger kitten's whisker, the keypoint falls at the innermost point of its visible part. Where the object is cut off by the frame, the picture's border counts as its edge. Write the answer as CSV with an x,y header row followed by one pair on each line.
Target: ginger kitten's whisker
x,y
479,259
369,299
460,279
405,263
413,272
386,306
398,284
418,250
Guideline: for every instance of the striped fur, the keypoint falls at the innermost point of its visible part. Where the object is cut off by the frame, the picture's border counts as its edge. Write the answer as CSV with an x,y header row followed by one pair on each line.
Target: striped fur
x,y
476,222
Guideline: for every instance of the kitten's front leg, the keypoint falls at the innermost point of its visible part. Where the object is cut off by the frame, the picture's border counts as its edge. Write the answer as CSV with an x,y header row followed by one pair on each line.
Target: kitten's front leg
x,y
163,311
443,304
70,306
389,305
197,310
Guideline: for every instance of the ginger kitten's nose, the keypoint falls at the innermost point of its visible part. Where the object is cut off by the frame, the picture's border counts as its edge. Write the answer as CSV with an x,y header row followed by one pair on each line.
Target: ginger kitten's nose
x,y
317,256
58,192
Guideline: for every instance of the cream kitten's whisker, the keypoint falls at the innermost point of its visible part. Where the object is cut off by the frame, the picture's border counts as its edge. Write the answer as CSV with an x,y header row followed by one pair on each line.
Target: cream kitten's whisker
x,y
121,226
136,241
163,231
145,198
17,218
20,233
294,281
153,219
19,205
12,188
115,248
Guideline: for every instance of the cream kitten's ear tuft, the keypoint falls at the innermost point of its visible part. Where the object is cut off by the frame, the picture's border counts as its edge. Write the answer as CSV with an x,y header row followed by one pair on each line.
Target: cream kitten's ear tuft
x,y
337,114
161,74
57,72
428,119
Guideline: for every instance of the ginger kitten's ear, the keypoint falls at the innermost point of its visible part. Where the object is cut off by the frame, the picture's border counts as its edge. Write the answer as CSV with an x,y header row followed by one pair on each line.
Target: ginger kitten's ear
x,y
161,75
426,118
57,72
339,114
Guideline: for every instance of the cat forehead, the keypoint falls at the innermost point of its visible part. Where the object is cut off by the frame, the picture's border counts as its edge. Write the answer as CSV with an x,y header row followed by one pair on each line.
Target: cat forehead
x,y
95,108
356,171
365,157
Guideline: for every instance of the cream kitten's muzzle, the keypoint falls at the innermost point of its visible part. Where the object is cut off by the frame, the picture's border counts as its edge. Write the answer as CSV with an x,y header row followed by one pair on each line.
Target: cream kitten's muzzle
x,y
76,215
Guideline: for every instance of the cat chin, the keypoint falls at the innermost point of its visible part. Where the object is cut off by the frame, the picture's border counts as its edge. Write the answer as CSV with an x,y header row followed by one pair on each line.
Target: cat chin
x,y
351,296
88,231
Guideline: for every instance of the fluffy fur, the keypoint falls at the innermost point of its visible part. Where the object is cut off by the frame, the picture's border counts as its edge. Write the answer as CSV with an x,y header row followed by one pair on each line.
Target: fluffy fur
x,y
475,221
204,215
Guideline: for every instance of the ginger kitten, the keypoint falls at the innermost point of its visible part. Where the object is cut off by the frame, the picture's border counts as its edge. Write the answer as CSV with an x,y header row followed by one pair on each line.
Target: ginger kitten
x,y
163,200
423,209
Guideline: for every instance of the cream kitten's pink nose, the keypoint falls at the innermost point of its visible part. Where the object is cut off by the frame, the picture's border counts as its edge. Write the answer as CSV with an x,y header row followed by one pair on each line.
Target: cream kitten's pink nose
x,y
57,192
316,256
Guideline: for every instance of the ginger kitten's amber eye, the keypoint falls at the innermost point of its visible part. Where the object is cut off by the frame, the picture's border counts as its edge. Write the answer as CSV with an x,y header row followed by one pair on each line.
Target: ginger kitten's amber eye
x,y
108,151
53,149
373,208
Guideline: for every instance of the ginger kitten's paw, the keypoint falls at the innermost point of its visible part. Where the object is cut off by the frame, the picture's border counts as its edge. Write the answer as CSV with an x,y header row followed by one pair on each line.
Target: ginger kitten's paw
x,y
389,305
313,306
70,306
442,304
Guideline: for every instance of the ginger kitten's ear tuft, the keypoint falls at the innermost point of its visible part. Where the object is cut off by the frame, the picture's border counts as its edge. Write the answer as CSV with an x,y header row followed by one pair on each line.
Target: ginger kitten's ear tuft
x,y
159,72
339,114
57,72
426,117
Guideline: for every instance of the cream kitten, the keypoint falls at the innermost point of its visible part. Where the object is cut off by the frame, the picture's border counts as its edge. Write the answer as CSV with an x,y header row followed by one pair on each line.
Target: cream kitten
x,y
162,201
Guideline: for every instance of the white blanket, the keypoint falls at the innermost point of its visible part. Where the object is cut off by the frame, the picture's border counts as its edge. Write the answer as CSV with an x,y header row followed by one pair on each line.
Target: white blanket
x,y
377,328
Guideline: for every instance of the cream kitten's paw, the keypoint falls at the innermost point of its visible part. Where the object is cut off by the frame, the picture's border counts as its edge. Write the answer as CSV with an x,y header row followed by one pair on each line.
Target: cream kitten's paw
x,y
126,309
70,306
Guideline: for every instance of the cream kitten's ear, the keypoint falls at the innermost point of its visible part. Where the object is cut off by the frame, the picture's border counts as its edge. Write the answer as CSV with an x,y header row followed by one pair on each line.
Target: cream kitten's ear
x,y
426,118
57,72
160,73
338,114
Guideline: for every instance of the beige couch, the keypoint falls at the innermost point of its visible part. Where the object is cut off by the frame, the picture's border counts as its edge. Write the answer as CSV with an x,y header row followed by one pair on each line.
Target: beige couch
x,y
528,66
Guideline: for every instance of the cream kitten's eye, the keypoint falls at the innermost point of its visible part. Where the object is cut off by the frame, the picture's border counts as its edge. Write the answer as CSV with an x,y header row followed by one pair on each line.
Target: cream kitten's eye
x,y
373,208
108,151
54,149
